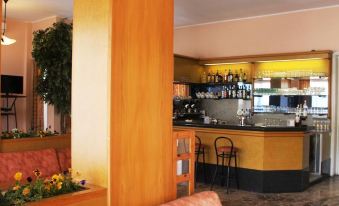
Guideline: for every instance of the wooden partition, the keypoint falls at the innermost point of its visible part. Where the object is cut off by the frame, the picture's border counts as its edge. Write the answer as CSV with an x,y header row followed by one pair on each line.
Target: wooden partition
x,y
141,102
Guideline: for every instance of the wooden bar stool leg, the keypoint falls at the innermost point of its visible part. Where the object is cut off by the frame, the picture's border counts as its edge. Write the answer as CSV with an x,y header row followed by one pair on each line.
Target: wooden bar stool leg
x,y
215,173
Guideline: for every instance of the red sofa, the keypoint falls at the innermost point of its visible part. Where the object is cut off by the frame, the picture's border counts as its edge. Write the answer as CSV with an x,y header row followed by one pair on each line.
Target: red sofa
x,y
208,198
48,161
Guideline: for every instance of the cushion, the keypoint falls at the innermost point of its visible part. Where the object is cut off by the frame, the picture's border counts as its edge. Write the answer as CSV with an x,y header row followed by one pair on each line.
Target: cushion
x,y
207,198
64,157
26,162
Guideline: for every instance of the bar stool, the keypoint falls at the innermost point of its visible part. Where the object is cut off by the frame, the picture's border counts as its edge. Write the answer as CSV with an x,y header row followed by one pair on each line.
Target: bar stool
x,y
225,150
199,150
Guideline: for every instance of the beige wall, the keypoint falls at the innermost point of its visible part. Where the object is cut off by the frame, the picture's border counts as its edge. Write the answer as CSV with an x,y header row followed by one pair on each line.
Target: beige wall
x,y
16,59
303,31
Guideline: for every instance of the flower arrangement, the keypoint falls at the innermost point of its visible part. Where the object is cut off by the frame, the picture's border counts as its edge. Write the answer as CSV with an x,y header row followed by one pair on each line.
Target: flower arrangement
x,y
16,133
58,184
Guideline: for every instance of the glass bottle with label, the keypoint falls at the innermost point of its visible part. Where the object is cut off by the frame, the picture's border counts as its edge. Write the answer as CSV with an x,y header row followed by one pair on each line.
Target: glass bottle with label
x,y
209,77
216,78
240,76
244,77
236,77
225,80
230,76
203,77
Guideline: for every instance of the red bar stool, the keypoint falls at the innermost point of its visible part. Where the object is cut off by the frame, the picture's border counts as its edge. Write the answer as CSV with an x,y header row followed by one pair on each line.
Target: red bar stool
x,y
225,150
199,150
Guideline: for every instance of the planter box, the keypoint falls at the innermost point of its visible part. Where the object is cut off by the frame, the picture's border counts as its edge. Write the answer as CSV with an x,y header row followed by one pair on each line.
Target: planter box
x,y
35,143
93,195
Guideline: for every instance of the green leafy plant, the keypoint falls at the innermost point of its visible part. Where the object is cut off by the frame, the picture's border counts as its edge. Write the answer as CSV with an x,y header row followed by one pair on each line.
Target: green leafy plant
x,y
52,52
58,184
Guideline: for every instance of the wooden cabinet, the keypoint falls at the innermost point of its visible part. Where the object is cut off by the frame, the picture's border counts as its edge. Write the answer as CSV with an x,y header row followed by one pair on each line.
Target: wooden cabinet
x,y
183,161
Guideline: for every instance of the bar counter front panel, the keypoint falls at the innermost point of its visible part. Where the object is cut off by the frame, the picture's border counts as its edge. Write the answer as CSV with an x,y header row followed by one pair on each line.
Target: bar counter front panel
x,y
269,159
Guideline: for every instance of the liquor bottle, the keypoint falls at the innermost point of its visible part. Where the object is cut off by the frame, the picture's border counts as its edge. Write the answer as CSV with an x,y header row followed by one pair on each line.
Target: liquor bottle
x,y
297,117
216,78
226,92
241,77
244,93
305,109
208,78
248,93
230,76
236,77
223,91
240,92
244,78
225,77
230,93
203,77
212,78
234,92
220,80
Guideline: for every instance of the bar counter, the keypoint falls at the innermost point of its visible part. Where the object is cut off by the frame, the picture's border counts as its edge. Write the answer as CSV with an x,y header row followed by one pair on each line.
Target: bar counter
x,y
270,159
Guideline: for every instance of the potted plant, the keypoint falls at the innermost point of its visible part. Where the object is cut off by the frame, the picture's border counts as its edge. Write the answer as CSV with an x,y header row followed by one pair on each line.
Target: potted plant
x,y
52,52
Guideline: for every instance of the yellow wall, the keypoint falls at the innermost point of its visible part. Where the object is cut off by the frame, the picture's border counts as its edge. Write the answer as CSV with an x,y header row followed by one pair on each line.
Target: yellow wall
x,y
315,65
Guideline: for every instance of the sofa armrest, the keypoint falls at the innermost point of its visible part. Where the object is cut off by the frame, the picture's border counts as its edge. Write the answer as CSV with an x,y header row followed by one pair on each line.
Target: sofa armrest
x,y
208,198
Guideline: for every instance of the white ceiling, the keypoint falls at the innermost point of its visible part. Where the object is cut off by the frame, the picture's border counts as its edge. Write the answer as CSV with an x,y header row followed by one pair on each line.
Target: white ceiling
x,y
192,12
34,10
187,12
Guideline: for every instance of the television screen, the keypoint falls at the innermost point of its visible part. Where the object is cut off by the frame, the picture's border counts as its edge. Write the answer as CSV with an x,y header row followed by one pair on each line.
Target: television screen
x,y
11,84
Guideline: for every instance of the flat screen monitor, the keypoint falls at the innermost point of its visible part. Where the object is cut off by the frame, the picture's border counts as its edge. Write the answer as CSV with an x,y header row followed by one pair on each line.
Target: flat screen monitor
x,y
11,84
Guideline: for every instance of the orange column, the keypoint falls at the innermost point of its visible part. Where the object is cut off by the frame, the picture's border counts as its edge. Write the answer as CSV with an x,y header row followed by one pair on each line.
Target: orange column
x,y
141,102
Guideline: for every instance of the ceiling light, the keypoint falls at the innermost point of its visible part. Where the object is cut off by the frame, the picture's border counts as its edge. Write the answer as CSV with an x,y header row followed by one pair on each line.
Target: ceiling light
x,y
4,39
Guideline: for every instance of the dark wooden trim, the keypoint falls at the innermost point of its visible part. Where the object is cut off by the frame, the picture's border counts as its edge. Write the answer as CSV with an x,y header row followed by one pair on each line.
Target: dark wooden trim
x,y
186,57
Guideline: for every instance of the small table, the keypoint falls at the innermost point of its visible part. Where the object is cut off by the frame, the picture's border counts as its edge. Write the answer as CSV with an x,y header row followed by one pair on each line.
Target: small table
x,y
10,110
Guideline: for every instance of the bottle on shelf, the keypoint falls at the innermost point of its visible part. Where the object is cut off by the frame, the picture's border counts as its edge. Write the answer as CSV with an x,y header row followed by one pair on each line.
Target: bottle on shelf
x,y
229,95
244,93
203,77
305,109
216,78
239,95
244,78
230,76
248,93
209,77
220,78
225,80
212,78
234,92
241,77
236,77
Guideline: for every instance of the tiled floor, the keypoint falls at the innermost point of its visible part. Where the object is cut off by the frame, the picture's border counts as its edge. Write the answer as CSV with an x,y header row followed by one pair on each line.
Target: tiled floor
x,y
325,193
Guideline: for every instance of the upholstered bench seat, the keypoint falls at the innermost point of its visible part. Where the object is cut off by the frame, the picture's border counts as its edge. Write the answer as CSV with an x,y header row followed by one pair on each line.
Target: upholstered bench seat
x,y
48,161
208,198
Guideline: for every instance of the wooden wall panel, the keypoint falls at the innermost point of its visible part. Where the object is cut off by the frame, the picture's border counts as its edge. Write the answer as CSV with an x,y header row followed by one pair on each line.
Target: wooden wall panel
x,y
141,102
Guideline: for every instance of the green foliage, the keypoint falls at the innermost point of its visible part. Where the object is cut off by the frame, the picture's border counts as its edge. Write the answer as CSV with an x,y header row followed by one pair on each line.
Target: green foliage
x,y
52,52
20,194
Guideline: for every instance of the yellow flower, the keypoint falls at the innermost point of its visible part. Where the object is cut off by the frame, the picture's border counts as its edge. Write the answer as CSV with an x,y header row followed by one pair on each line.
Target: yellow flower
x,y
70,171
18,176
61,177
55,178
26,191
59,185
15,188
